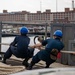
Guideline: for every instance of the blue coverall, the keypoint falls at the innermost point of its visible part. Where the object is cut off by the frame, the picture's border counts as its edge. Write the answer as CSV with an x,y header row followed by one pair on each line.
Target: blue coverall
x,y
19,48
45,54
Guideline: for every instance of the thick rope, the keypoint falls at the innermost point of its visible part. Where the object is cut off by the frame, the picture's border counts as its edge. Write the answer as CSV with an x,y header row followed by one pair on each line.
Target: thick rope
x,y
8,69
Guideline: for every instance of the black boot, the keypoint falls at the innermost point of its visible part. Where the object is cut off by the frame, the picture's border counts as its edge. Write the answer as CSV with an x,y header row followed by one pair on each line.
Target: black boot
x,y
30,67
25,63
46,66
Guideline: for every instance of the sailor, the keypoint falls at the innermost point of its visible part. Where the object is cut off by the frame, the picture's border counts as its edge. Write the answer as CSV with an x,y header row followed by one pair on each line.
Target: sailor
x,y
19,47
52,48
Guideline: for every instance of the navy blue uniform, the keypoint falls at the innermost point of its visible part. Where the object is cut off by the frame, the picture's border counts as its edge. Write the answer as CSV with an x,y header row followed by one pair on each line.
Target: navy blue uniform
x,y
45,54
19,47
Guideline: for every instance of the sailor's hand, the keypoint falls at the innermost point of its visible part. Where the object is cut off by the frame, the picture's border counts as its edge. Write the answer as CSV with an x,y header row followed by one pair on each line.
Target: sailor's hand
x,y
73,53
32,46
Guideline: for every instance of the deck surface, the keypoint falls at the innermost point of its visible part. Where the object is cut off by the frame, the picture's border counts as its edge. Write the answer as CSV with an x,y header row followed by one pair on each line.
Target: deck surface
x,y
13,61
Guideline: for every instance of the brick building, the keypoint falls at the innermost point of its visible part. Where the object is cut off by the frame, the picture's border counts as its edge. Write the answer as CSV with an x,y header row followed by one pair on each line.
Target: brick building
x,y
39,17
64,17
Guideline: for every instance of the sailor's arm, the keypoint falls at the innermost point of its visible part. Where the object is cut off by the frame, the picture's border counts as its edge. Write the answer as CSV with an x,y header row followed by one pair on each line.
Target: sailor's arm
x,y
36,45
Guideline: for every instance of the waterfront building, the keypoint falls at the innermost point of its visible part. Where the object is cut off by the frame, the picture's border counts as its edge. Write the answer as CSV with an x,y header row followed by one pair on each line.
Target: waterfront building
x,y
39,17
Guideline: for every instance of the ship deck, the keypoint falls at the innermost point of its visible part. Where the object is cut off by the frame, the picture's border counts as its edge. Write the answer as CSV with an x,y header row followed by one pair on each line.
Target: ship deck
x,y
14,65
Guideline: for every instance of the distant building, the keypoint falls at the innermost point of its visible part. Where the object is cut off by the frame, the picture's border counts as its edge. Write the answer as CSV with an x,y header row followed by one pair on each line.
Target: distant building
x,y
64,17
39,17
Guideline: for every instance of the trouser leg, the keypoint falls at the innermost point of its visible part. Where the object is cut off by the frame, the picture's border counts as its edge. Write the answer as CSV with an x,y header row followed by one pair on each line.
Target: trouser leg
x,y
25,62
30,55
30,52
7,55
35,59
48,63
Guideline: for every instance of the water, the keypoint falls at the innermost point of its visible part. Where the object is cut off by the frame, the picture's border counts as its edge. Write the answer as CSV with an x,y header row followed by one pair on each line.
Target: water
x,y
8,40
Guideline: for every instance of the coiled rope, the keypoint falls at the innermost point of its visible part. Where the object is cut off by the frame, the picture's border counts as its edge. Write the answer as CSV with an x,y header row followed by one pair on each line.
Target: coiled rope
x,y
8,69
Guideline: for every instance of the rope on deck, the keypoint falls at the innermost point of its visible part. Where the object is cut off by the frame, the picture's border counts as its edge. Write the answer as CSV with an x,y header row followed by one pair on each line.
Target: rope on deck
x,y
8,69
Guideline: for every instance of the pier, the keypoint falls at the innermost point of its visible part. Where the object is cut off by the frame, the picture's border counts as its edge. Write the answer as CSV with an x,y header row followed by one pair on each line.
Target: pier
x,y
42,18
14,64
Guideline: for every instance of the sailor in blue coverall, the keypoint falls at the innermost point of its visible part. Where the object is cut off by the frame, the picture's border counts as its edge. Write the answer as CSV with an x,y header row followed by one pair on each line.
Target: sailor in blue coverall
x,y
50,44
19,47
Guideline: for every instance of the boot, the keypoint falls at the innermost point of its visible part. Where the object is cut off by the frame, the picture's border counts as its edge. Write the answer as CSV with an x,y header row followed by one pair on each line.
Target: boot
x,y
46,66
25,63
30,67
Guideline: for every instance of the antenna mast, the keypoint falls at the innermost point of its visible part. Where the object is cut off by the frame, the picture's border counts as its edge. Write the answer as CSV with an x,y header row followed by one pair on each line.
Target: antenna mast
x,y
72,4
40,6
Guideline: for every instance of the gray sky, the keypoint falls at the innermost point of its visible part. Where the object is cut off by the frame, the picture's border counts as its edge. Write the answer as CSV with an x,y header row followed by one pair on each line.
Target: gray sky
x,y
34,5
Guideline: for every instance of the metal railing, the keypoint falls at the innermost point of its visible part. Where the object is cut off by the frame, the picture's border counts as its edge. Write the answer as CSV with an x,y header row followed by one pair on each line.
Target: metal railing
x,y
16,24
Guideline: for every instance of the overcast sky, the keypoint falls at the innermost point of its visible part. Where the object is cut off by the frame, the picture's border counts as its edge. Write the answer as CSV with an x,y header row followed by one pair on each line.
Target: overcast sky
x,y
34,5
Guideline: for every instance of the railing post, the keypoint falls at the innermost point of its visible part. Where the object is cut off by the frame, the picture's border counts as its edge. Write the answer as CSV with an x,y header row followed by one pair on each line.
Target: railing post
x,y
0,34
46,30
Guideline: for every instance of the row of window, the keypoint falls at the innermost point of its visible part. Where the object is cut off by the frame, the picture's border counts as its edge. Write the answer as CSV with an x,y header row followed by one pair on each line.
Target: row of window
x,y
31,17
